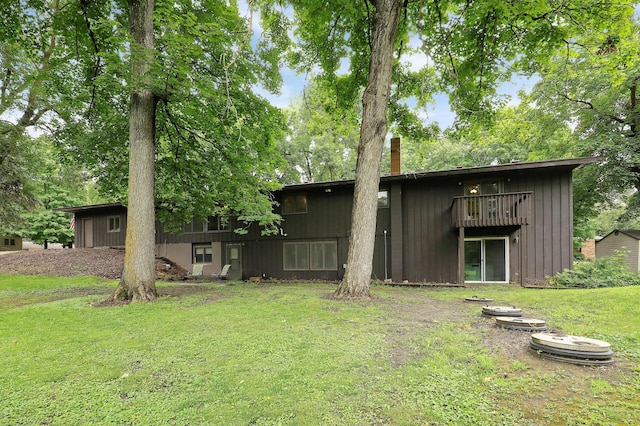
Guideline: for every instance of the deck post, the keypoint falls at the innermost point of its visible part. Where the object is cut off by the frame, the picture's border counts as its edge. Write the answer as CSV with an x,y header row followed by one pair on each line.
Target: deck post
x,y
461,255
523,255
397,262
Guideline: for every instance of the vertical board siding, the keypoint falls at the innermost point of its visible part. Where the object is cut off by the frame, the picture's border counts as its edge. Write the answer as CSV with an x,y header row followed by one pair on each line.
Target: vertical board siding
x,y
427,250
430,244
549,234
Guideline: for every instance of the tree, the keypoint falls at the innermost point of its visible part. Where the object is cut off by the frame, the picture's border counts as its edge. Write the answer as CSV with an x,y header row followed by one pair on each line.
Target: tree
x,y
185,115
16,189
469,45
324,139
592,83
55,187
138,280
198,77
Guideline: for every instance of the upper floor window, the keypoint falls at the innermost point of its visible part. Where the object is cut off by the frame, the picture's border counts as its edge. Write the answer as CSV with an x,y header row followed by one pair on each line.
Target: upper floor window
x,y
193,227
113,224
217,223
484,187
294,204
383,198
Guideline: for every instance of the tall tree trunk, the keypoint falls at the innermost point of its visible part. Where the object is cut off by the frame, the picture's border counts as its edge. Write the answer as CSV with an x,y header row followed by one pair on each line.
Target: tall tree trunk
x,y
372,136
138,276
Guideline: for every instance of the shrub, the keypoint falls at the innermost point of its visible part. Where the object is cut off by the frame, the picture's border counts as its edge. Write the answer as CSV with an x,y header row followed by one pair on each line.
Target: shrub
x,y
604,272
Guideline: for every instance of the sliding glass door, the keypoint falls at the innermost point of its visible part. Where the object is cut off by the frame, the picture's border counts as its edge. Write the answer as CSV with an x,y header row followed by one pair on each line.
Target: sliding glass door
x,y
486,260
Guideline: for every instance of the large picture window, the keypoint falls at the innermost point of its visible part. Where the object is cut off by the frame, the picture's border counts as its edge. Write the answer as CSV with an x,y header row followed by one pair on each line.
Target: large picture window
x,y
324,256
314,256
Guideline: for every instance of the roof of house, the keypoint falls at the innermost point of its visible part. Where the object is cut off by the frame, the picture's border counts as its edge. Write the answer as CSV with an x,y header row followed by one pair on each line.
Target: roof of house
x,y
633,233
515,166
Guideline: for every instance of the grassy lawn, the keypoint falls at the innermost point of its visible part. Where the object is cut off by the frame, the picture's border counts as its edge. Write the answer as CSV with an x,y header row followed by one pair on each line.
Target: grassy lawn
x,y
266,354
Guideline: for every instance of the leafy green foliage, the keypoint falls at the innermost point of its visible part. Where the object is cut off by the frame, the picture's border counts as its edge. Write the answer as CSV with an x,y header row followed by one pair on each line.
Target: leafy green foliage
x,y
592,83
215,139
55,187
323,138
602,272
16,178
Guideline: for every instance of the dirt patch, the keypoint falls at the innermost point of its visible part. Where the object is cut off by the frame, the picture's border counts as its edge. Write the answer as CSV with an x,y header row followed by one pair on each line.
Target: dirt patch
x,y
510,348
105,263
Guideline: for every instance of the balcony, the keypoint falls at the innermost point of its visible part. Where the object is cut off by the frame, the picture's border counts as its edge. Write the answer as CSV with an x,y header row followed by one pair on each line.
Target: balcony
x,y
511,209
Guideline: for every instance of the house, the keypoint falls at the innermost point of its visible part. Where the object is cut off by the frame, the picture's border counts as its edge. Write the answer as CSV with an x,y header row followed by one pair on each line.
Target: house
x,y
621,239
499,224
10,243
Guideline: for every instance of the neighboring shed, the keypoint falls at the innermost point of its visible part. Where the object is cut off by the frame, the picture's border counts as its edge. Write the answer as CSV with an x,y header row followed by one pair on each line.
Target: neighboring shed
x,y
621,239
10,243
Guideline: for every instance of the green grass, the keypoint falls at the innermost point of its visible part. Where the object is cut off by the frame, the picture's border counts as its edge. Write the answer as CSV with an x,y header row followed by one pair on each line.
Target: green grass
x,y
248,354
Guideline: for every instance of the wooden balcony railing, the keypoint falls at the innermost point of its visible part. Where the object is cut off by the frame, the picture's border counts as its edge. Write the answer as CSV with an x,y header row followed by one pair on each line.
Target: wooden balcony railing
x,y
492,210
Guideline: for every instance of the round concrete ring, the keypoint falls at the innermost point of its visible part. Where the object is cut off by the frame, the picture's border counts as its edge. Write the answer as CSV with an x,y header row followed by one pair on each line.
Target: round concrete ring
x,y
574,343
570,360
570,353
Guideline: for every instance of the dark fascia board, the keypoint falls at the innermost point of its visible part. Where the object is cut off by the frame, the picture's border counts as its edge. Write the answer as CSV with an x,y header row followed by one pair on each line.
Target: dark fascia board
x,y
566,163
90,208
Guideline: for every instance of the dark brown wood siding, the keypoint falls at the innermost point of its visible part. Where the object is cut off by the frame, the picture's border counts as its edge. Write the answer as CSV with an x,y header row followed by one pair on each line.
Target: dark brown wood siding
x,y
430,242
100,223
549,237
421,241
328,218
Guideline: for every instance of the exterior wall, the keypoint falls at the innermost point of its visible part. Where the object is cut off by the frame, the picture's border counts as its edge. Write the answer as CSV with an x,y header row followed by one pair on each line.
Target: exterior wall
x,y
549,236
612,242
99,222
431,244
17,243
421,243
181,253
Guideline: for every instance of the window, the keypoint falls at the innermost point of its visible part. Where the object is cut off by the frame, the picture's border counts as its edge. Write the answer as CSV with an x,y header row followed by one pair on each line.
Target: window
x,y
324,256
296,256
113,224
314,256
294,204
217,223
193,227
9,242
383,198
202,253
484,187
484,207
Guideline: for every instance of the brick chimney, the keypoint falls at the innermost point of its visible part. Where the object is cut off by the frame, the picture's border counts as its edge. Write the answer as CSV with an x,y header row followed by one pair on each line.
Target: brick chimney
x,y
395,156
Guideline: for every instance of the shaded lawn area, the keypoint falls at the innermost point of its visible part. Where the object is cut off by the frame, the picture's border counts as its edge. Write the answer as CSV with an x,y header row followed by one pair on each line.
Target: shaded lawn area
x,y
268,354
